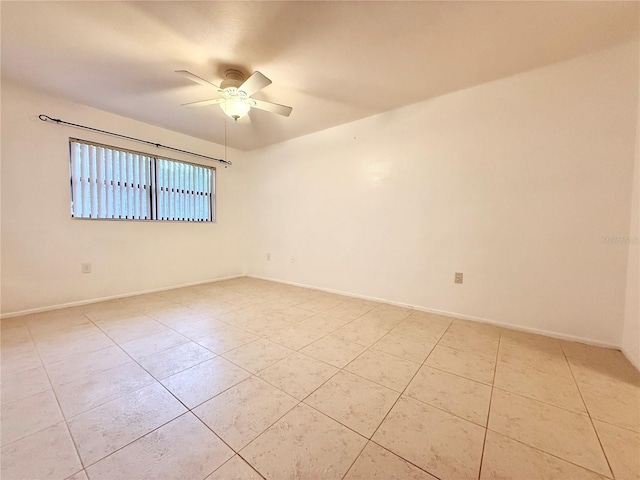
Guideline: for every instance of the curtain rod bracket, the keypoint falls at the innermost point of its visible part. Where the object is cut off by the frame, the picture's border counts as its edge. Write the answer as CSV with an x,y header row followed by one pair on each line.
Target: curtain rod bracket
x,y
47,118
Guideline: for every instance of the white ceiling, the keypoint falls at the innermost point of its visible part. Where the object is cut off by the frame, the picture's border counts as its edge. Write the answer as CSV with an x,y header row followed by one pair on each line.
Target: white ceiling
x,y
333,62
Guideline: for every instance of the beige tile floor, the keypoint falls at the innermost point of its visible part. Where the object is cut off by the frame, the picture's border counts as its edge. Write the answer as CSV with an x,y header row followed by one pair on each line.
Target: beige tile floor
x,y
253,379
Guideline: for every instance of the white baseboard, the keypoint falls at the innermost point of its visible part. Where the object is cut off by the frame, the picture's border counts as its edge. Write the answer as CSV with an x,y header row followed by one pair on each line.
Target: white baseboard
x,y
112,297
548,333
420,308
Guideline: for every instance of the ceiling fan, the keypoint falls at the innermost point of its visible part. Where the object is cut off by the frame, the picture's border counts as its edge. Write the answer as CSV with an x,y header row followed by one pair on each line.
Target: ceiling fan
x,y
236,94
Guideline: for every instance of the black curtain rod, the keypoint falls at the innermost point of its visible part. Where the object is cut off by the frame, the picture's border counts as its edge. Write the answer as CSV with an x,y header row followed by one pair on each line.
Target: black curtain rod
x,y
46,118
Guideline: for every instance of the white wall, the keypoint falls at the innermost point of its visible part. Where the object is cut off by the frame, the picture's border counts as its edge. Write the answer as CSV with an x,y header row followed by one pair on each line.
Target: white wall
x,y
515,183
43,247
631,331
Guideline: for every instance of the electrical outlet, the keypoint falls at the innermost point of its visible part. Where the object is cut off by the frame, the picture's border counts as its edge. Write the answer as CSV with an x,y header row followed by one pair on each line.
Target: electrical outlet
x,y
458,278
268,256
293,259
86,268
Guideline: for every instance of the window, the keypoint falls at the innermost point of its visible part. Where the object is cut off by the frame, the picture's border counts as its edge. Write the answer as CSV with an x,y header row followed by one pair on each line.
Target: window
x,y
114,183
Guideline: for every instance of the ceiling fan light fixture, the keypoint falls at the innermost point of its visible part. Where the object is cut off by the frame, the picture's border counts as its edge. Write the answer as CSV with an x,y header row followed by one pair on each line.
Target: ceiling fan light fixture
x,y
235,108
236,94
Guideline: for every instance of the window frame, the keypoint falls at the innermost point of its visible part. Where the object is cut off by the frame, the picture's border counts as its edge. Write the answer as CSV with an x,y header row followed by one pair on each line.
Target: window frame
x,y
154,188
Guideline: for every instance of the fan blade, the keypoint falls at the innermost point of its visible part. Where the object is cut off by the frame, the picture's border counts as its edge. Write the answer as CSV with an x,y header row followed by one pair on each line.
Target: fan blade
x,y
254,83
197,79
203,103
272,107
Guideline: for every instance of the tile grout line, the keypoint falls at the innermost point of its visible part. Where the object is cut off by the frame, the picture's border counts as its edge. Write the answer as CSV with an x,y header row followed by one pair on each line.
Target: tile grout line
x,y
188,410
235,452
189,340
544,403
300,402
392,453
120,396
345,426
343,369
486,429
589,414
459,375
398,399
544,452
245,461
348,372
582,414
626,429
340,369
269,426
521,394
535,368
251,374
135,440
324,335
368,440
323,383
134,361
55,395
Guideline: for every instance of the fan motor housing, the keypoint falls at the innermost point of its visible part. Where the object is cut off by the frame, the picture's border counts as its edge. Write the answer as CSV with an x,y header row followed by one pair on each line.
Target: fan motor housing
x,y
232,79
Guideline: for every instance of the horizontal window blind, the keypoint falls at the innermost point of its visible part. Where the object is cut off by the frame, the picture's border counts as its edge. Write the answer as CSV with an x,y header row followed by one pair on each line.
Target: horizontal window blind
x,y
113,183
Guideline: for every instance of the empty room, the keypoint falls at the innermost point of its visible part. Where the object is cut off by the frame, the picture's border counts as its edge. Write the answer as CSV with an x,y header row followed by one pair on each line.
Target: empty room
x,y
320,240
